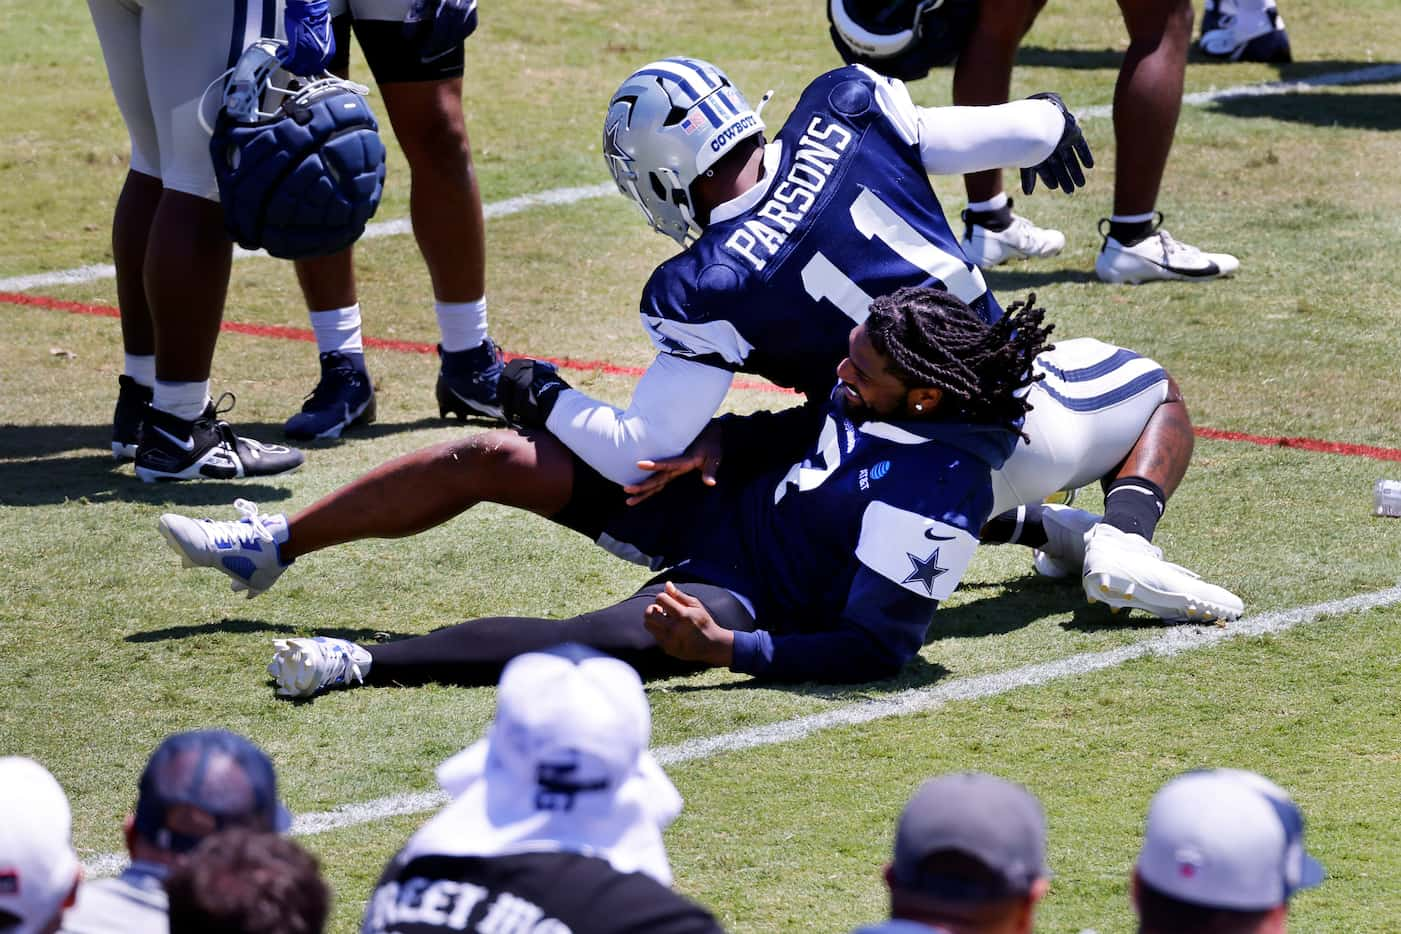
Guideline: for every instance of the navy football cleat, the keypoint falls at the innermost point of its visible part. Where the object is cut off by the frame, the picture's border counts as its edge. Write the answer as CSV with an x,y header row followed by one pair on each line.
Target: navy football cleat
x,y
343,397
206,448
132,400
467,381
1237,31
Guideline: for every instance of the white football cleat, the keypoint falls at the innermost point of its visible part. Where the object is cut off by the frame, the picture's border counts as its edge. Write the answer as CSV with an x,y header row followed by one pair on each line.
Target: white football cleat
x,y
1064,551
304,667
1126,570
1021,240
1159,256
245,549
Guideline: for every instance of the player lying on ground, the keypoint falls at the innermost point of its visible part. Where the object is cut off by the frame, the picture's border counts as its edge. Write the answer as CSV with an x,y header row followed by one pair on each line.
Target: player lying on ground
x,y
824,562
786,243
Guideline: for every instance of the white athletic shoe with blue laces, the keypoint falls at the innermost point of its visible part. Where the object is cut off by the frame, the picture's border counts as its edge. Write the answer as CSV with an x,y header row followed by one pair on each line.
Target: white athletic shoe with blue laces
x,y
304,667
245,549
1126,570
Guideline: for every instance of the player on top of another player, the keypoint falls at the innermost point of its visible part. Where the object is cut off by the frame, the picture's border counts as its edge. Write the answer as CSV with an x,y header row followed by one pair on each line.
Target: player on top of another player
x,y
850,166
828,539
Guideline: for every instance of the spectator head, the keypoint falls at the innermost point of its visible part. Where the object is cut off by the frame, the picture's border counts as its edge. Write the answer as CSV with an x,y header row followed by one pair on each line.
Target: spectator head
x,y
1222,853
197,784
970,855
243,881
39,871
564,766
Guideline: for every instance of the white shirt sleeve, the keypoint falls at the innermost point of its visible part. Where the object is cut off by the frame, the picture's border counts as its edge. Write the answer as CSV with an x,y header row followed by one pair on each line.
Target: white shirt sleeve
x,y
958,140
673,401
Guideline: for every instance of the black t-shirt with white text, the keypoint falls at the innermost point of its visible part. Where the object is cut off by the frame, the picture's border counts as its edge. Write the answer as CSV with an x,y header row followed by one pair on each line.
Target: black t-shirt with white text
x,y
527,893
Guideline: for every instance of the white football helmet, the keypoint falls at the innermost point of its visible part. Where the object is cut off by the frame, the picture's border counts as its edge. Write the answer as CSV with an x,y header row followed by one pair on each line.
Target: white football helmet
x,y
667,124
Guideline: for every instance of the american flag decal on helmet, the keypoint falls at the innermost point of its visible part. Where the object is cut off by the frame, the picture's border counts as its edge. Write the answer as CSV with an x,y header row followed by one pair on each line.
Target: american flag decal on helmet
x,y
695,120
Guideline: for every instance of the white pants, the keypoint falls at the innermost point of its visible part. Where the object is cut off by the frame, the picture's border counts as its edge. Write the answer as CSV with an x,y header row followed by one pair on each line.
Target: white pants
x,y
161,55
1086,416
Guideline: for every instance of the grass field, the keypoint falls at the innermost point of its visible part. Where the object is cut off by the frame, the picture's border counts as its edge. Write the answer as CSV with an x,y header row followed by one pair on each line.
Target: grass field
x,y
105,647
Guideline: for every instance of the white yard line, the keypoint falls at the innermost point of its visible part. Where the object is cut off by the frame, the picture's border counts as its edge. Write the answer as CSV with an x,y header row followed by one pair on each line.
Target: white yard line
x,y
558,196
394,228
916,700
1375,74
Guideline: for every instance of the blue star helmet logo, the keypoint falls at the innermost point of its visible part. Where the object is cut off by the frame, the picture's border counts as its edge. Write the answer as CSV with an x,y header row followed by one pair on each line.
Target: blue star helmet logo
x,y
926,570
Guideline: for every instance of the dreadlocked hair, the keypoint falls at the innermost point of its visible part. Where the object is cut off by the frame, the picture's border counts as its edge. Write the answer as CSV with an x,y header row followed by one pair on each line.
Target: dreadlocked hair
x,y
931,338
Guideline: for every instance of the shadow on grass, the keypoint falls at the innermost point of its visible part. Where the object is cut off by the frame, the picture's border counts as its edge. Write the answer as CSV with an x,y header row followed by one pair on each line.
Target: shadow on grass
x,y
1036,56
918,673
1372,111
1015,604
96,478
37,468
1099,617
1004,281
244,626
1110,60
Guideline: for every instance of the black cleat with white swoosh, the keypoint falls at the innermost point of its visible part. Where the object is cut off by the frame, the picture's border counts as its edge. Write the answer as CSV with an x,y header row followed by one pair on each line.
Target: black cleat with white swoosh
x,y
206,448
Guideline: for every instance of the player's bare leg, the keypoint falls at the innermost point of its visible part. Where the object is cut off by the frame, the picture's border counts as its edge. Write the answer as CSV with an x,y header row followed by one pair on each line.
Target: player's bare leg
x,y
445,201
1147,102
983,75
528,470
1148,98
446,207
1164,449
131,228
186,276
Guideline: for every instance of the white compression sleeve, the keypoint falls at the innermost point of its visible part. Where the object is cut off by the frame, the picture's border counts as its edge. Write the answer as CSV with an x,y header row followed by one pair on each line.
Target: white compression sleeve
x,y
958,140
673,401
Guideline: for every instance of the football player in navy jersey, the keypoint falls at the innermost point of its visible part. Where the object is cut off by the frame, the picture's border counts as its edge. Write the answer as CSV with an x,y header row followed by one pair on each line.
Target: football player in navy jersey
x,y
1108,413
823,560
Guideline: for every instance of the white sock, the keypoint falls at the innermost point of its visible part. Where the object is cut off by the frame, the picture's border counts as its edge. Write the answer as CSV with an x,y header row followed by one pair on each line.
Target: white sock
x,y
142,368
461,324
996,203
338,329
1131,218
183,400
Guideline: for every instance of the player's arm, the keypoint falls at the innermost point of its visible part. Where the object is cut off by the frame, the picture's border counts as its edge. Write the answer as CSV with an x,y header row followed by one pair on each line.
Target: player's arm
x,y
673,401
959,140
735,447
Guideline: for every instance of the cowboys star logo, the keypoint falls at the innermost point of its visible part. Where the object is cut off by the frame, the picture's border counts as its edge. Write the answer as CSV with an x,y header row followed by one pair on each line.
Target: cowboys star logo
x,y
926,570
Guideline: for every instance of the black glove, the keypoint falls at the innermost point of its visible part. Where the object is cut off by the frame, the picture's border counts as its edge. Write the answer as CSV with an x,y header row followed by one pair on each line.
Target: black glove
x,y
527,392
1061,169
437,27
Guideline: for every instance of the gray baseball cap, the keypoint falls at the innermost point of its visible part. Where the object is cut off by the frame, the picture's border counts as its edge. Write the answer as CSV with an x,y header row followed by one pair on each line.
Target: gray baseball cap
x,y
997,822
1226,838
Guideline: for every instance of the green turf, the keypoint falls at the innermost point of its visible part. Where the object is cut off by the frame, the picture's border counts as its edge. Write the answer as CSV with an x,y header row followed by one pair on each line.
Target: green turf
x,y
105,646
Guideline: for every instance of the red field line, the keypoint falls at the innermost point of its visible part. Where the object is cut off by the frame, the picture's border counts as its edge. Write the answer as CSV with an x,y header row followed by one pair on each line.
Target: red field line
x,y
613,369
378,343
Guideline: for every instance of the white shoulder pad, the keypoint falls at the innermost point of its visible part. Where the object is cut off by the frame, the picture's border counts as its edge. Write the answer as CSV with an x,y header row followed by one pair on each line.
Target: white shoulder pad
x,y
698,339
923,555
895,103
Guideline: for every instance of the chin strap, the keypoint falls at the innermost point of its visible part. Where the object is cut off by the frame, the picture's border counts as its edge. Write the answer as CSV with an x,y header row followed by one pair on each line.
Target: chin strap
x,y
768,96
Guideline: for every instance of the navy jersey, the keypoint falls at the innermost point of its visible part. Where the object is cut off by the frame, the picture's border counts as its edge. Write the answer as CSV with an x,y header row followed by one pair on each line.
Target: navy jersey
x,y
845,213
844,553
